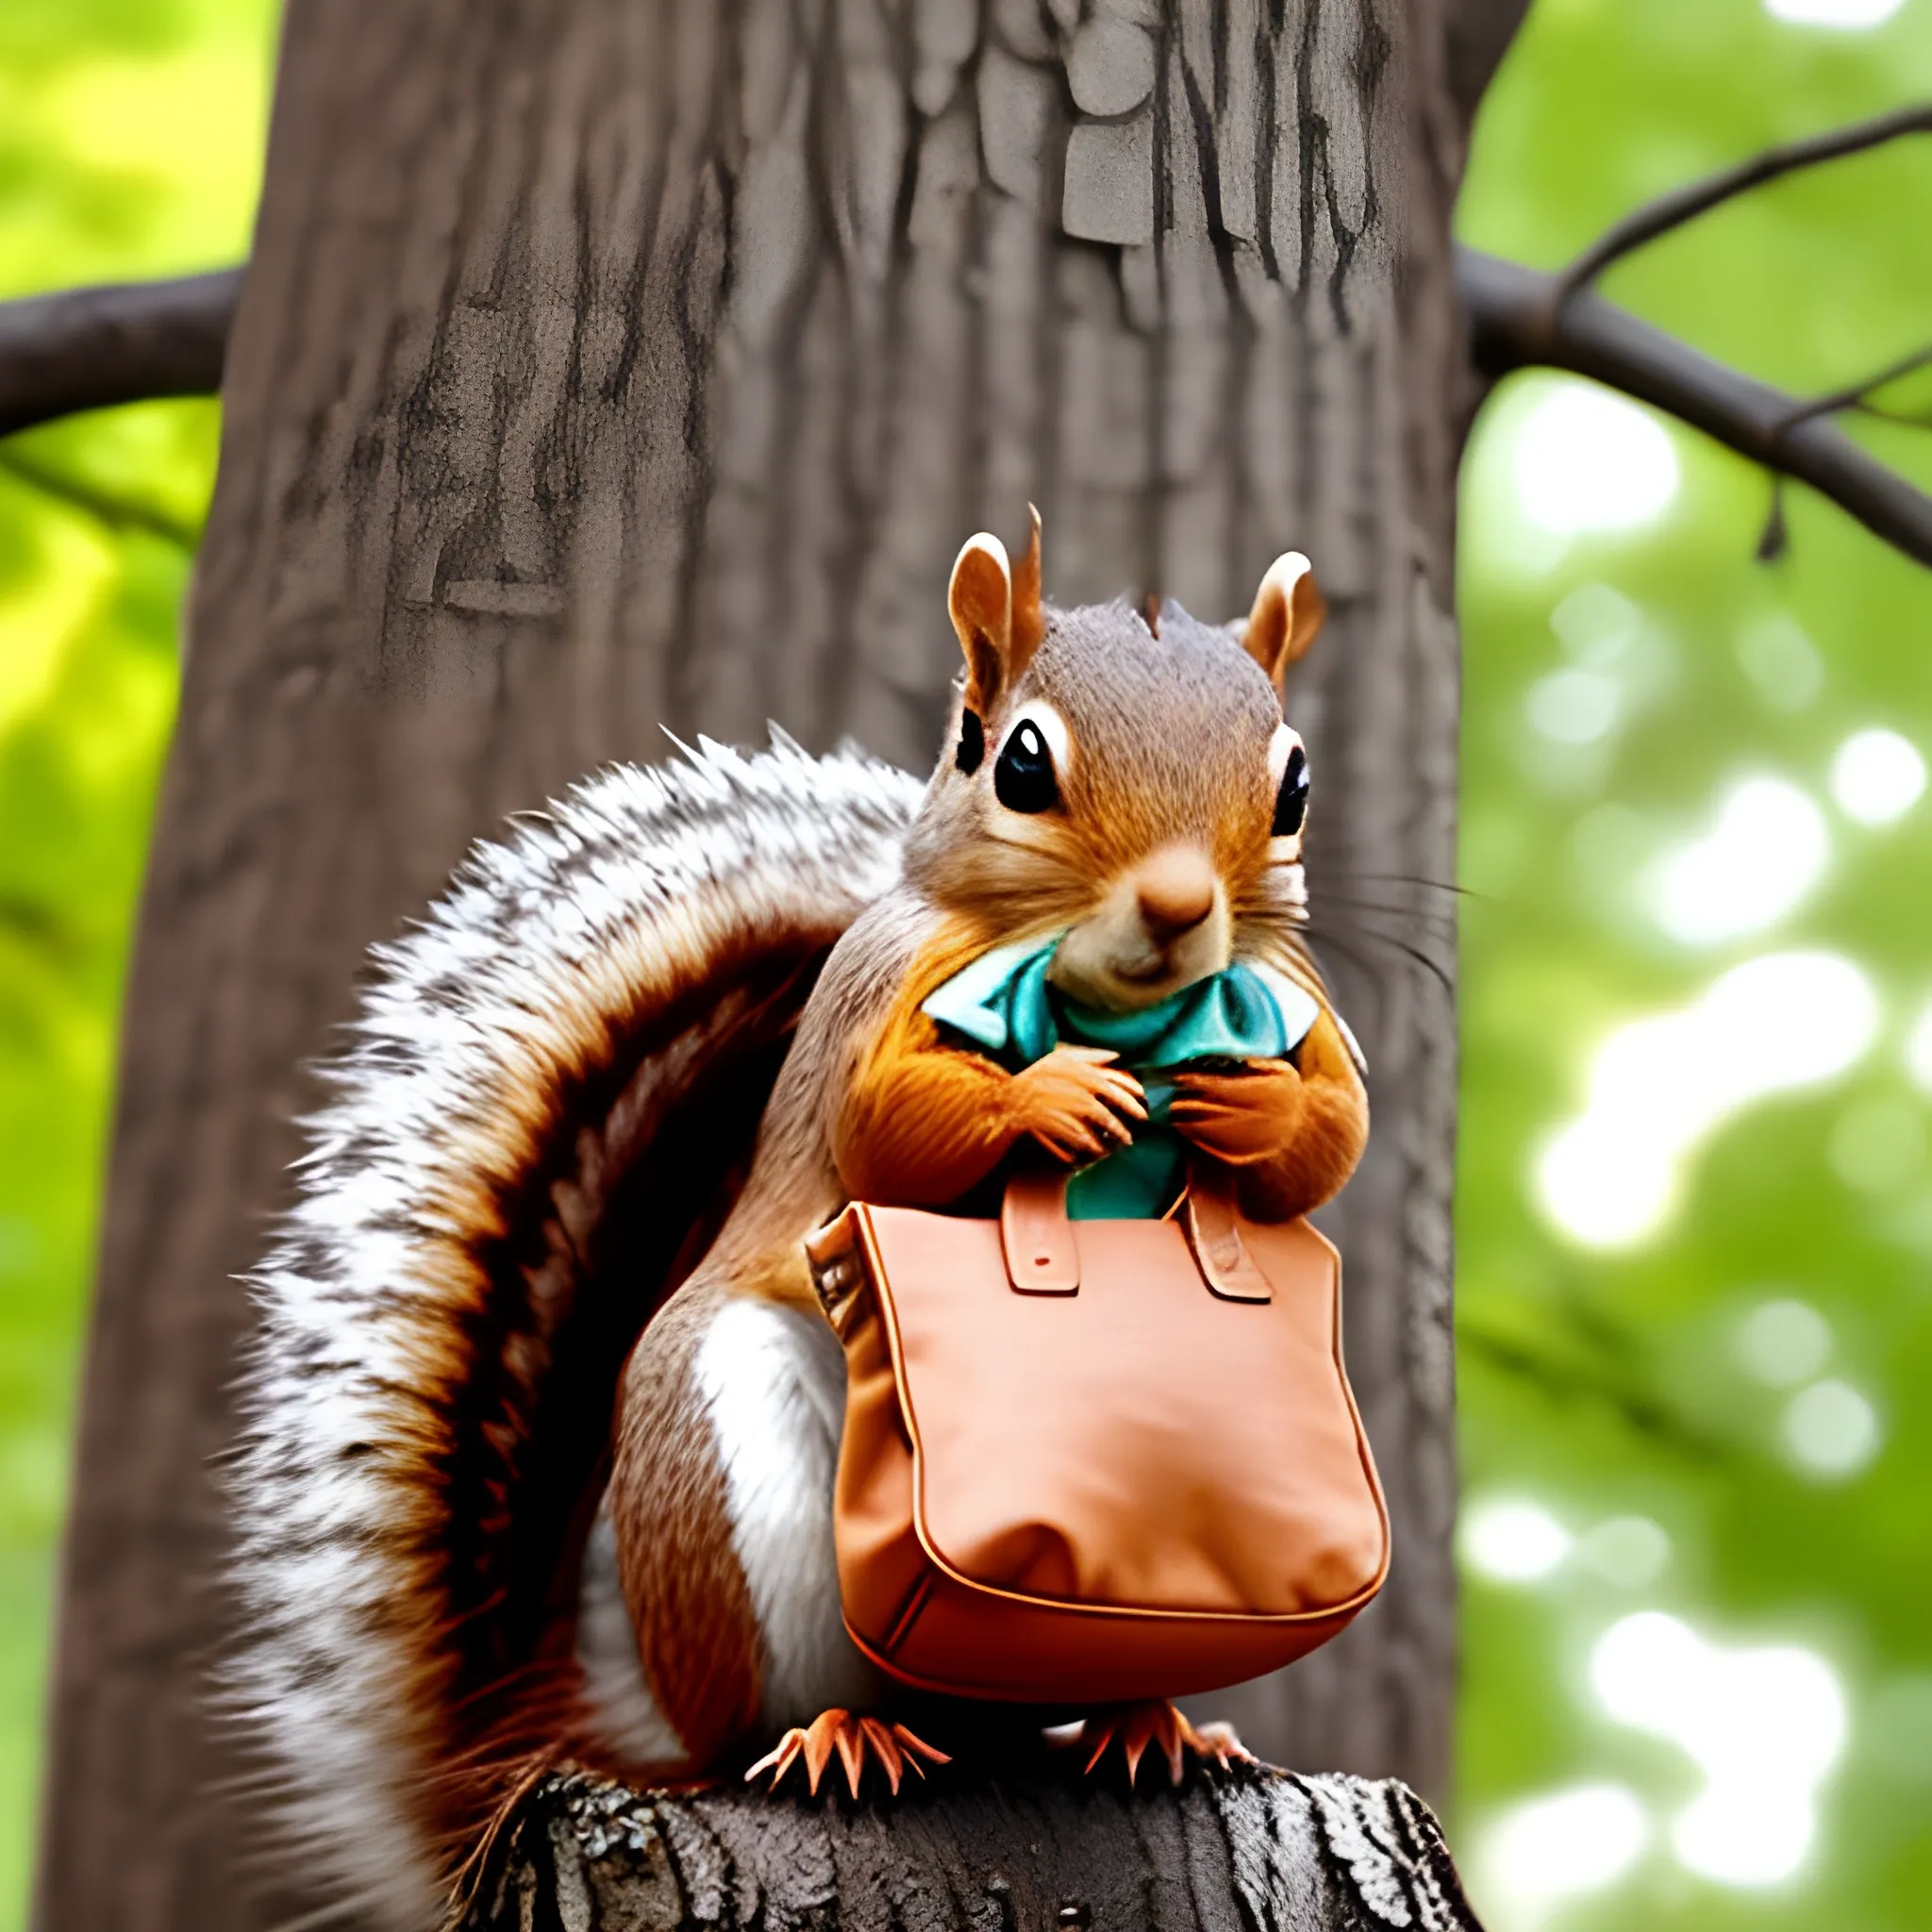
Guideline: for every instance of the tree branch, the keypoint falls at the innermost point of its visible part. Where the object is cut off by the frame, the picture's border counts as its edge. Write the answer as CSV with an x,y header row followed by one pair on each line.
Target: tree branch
x,y
118,513
94,348
124,342
1021,1852
1577,1376
1521,319
1694,198
1857,394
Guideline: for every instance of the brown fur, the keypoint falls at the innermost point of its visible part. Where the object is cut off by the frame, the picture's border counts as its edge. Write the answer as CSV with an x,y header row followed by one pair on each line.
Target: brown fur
x,y
1288,613
1294,1128
1171,736
1029,614
922,1124
1171,723
698,1635
587,1201
554,1245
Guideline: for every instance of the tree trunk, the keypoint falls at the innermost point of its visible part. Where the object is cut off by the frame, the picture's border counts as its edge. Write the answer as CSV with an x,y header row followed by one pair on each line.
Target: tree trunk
x,y
1256,1848
605,363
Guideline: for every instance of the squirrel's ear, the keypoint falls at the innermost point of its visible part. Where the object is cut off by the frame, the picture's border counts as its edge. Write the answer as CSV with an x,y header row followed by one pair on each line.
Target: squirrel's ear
x,y
1029,621
1288,609
980,602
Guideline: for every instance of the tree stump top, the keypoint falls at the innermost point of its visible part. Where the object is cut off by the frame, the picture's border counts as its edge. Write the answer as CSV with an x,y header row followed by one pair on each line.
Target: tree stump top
x,y
1250,1850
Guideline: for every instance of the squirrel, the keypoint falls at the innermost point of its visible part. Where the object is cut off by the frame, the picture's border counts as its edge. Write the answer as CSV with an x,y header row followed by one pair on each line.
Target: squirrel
x,y
541,1415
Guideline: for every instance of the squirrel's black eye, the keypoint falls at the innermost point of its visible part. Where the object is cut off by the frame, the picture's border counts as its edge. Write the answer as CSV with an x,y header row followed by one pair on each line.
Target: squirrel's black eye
x,y
1291,801
1023,779
971,743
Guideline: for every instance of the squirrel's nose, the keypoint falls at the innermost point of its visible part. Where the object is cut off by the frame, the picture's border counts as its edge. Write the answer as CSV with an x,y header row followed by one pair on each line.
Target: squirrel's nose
x,y
1176,891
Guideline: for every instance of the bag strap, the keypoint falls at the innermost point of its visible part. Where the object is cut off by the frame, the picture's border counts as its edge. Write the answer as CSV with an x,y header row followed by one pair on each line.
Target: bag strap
x,y
1211,1221
1042,1251
1042,1255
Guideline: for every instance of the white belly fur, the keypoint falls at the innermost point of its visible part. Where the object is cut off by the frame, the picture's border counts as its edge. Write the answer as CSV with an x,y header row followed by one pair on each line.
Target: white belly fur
x,y
772,1380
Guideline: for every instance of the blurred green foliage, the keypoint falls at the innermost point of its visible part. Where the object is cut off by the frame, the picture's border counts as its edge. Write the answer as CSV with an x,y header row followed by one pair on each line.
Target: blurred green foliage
x,y
130,141
1636,1429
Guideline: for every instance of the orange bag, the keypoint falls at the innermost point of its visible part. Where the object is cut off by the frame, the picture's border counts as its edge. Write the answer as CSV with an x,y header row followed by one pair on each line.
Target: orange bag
x,y
1094,1462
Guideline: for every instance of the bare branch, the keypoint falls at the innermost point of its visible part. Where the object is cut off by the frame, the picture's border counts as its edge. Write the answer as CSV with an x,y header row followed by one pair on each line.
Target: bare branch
x,y
1521,319
94,348
124,342
1903,419
1694,198
1855,396
118,513
1570,1375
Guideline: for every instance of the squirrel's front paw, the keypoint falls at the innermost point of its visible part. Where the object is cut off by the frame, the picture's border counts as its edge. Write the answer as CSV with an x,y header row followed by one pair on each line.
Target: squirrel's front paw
x,y
1077,1103
1239,1118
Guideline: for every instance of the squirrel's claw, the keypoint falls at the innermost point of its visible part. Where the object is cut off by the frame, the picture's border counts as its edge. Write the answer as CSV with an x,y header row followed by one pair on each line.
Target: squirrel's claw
x,y
1222,1742
1136,1727
1241,1118
780,1760
855,1739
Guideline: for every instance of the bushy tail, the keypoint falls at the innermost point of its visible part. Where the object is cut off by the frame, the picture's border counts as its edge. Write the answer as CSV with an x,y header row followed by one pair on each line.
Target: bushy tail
x,y
545,1113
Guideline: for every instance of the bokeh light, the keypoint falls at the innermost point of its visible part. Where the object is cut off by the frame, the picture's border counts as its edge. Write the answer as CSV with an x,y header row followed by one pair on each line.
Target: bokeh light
x,y
1659,1086
1572,707
1559,1846
1631,1552
1763,1724
1775,652
1917,1053
1830,1430
1695,1212
1588,460
1784,1341
1877,777
1596,624
1511,1540
1850,15
1766,848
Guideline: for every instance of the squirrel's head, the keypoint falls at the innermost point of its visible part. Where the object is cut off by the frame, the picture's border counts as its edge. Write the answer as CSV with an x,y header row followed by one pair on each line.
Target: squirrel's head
x,y
1126,778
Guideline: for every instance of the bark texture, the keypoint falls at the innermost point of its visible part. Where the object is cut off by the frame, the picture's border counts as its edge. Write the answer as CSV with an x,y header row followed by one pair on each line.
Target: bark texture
x,y
612,363
1257,1849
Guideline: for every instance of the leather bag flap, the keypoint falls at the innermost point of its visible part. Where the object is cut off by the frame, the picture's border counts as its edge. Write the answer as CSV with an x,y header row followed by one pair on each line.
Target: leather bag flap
x,y
1143,1443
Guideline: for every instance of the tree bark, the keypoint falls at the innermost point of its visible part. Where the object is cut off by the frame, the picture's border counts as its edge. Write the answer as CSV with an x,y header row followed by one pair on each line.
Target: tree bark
x,y
1256,1848
612,363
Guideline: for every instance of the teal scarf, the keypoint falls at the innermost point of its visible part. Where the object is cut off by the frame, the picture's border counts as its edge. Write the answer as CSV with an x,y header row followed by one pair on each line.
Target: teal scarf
x,y
1003,1006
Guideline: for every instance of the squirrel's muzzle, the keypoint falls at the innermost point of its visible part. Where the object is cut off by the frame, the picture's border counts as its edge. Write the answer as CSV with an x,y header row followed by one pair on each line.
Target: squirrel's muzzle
x,y
1175,891
1163,924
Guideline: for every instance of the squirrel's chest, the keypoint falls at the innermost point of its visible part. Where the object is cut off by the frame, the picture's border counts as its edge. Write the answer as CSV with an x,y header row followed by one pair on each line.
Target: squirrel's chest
x,y
761,1393
772,1381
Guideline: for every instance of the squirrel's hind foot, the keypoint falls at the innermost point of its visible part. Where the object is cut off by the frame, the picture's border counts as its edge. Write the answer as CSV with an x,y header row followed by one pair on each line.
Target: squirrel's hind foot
x,y
1136,1727
857,1740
